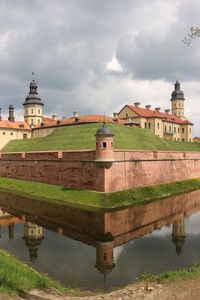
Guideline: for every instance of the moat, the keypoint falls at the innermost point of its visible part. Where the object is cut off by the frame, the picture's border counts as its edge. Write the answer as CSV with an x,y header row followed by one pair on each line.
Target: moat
x,y
102,250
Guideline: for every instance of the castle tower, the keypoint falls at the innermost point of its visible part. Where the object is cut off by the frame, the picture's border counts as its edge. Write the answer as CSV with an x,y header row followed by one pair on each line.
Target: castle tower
x,y
177,101
178,234
33,235
33,105
104,254
104,145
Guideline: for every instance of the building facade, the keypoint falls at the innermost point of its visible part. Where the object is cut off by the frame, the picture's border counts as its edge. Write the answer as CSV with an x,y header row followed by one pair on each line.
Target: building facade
x,y
172,126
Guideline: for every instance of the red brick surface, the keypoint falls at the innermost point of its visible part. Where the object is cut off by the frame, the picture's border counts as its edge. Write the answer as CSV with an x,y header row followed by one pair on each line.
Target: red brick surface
x,y
78,168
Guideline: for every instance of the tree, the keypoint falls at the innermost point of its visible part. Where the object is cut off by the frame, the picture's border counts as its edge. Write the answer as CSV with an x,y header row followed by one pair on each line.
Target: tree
x,y
194,33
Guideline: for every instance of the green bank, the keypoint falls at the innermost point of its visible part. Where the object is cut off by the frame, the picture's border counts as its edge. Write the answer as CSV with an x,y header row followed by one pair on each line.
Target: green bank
x,y
16,277
176,275
96,200
81,137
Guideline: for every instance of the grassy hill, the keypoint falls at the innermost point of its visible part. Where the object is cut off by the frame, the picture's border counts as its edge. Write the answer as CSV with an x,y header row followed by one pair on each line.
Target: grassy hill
x,y
82,137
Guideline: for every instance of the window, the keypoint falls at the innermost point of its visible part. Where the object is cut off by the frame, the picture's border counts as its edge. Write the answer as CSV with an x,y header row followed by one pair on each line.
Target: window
x,y
149,125
111,145
165,128
183,139
104,257
38,121
182,130
38,111
175,129
26,111
145,125
32,111
25,136
96,144
175,113
179,113
174,104
158,125
11,133
179,105
178,130
104,145
4,133
31,121
170,128
190,130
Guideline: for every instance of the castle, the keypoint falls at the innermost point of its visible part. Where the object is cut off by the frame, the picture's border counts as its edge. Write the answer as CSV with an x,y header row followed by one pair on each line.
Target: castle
x,y
173,126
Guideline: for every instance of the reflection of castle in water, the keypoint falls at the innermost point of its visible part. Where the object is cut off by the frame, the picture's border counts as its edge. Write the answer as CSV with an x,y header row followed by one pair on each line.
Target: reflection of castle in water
x,y
104,254
33,235
178,234
102,230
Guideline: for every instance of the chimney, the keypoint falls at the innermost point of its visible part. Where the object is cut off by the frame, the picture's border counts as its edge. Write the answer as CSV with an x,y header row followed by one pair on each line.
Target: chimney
x,y
157,108
148,106
55,117
137,104
167,111
11,117
115,117
0,114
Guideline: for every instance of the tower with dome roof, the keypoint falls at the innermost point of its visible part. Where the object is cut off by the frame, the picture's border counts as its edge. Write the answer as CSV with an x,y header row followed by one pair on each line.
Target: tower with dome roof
x,y
33,105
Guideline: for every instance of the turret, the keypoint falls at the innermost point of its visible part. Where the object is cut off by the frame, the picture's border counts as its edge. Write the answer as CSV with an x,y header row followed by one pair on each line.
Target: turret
x,y
33,105
178,234
104,145
177,101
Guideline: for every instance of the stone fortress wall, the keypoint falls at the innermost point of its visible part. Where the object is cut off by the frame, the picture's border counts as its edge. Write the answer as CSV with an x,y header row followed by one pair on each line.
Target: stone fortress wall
x,y
80,169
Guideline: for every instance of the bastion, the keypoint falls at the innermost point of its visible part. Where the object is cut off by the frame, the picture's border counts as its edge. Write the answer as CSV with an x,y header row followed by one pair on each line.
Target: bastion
x,y
104,169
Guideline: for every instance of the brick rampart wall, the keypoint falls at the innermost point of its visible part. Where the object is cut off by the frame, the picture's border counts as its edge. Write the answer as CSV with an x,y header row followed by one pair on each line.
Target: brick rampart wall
x,y
72,168
142,168
78,169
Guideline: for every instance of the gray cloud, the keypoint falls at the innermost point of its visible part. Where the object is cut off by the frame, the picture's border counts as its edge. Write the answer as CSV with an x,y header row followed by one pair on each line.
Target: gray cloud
x,y
69,43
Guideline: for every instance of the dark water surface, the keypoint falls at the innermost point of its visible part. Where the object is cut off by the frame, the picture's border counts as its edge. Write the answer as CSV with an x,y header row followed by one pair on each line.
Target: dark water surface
x,y
90,250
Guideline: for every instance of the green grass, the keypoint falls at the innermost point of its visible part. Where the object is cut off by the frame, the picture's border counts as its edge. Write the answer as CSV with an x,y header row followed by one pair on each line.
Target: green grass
x,y
177,275
82,137
16,277
94,200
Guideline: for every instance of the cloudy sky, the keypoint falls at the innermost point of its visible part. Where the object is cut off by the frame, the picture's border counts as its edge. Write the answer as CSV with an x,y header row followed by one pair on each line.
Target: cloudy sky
x,y
95,56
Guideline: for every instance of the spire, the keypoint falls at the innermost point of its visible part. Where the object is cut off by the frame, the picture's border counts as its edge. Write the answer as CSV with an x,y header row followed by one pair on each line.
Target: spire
x,y
33,97
177,93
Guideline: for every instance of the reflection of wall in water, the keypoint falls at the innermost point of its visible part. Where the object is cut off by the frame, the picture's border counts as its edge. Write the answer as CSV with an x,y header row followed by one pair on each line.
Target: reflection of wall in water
x,y
178,234
33,235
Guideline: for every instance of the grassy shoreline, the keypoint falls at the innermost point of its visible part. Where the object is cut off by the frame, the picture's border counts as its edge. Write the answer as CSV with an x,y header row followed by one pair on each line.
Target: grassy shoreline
x,y
94,200
16,277
191,272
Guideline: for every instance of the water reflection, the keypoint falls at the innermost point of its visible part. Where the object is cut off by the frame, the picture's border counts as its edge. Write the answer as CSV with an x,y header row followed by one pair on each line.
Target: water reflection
x,y
127,242
33,237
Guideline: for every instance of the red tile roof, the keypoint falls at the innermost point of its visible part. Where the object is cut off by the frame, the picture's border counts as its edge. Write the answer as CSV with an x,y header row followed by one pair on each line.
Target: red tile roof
x,y
148,113
197,138
49,122
14,125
